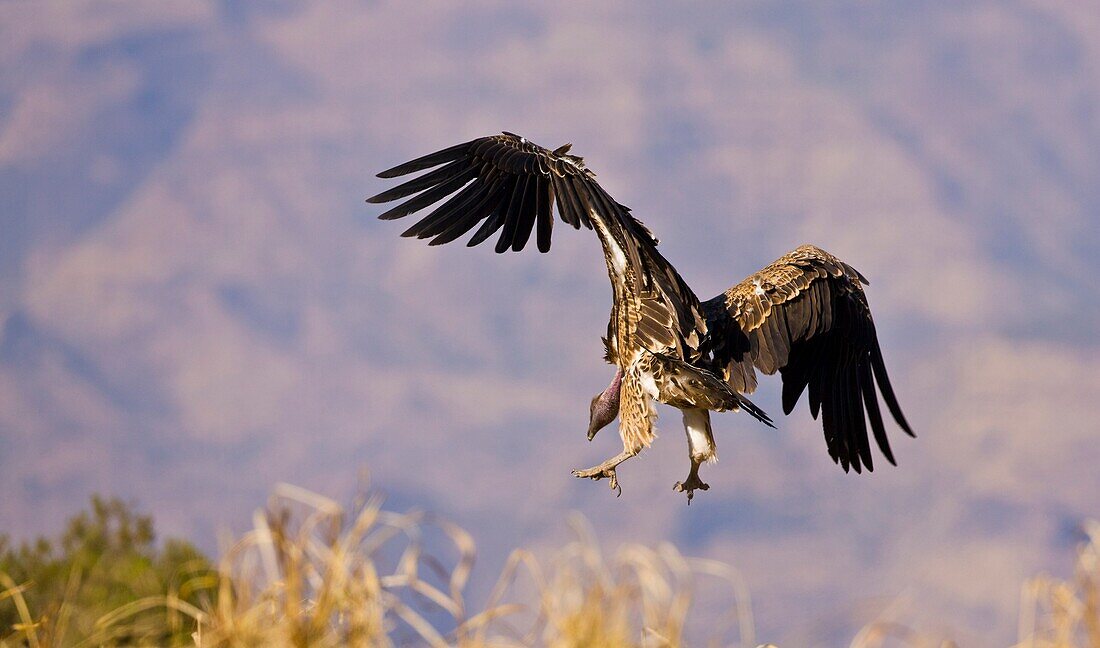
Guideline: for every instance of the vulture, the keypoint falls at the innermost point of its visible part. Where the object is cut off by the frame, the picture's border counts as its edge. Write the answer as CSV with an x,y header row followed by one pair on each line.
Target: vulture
x,y
805,316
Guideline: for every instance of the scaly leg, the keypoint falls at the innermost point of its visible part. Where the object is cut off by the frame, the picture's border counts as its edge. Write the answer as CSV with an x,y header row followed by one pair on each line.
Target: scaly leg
x,y
607,470
692,483
700,448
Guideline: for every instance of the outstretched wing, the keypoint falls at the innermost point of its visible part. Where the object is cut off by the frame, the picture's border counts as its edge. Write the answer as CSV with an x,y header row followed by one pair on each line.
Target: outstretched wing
x,y
508,184
503,182
806,315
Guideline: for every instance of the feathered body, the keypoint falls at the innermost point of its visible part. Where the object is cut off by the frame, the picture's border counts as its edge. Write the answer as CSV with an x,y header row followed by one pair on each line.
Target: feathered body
x,y
805,315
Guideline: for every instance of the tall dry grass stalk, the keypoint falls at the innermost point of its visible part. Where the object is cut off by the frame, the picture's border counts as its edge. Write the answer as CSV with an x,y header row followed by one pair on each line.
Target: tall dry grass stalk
x,y
311,574
308,575
1065,614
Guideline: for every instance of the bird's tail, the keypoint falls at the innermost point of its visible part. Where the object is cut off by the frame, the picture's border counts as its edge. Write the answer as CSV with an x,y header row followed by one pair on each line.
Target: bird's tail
x,y
687,387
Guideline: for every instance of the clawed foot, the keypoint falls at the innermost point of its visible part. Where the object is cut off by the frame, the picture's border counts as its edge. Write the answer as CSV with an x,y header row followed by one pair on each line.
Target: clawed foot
x,y
600,472
690,485
606,470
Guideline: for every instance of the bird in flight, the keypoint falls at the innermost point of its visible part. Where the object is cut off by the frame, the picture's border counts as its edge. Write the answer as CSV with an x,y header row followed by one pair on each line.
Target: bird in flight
x,y
805,315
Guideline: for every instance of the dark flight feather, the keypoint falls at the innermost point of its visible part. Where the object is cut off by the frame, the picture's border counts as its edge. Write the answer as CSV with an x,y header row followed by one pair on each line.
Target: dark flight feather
x,y
427,161
513,186
806,316
541,180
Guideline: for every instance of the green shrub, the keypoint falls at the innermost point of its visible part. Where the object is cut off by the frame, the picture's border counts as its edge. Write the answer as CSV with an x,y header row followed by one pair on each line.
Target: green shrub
x,y
61,590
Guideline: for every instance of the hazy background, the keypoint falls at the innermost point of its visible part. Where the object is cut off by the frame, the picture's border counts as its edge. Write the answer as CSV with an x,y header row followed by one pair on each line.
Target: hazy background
x,y
195,302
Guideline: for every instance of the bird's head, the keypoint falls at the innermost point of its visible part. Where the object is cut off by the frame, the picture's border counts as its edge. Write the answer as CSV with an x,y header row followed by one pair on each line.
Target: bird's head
x,y
604,406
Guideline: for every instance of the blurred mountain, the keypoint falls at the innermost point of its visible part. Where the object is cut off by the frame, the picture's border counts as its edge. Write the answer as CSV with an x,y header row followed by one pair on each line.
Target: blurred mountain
x,y
195,302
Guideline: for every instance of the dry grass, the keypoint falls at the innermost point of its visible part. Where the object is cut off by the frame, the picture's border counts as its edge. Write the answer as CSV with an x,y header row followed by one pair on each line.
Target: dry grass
x,y
1065,614
310,574
305,575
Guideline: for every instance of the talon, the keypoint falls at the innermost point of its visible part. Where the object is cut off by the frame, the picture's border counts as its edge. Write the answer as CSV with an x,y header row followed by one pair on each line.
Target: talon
x,y
597,474
606,470
689,486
